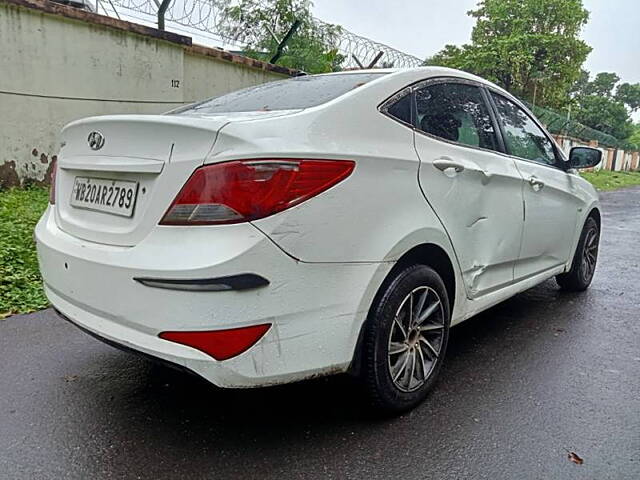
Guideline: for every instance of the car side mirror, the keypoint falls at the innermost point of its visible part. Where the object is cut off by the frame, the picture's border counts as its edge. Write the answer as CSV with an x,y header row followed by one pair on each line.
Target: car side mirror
x,y
584,157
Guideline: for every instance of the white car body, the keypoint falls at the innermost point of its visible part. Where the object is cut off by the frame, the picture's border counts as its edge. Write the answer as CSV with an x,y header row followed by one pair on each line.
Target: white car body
x,y
326,257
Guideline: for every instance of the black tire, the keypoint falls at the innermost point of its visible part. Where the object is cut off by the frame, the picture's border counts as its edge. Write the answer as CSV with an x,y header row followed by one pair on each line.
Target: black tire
x,y
579,277
384,331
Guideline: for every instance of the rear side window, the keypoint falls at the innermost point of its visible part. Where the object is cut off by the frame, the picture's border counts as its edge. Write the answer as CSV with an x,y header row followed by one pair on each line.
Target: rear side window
x,y
401,109
456,112
291,94
523,138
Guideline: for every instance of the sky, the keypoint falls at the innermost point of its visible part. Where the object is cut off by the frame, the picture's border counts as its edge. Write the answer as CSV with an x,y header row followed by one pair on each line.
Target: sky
x,y
423,27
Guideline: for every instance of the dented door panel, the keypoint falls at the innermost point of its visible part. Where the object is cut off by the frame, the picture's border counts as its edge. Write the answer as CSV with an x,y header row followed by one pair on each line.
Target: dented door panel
x,y
480,206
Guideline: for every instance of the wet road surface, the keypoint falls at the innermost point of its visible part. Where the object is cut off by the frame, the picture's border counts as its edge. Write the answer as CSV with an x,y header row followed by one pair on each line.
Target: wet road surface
x,y
539,375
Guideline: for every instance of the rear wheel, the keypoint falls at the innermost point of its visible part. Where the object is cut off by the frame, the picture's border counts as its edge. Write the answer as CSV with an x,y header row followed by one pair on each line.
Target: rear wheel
x,y
405,339
584,260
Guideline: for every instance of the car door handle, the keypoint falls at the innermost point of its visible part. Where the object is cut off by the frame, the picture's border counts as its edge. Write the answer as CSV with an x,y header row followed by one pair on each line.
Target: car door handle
x,y
443,164
535,183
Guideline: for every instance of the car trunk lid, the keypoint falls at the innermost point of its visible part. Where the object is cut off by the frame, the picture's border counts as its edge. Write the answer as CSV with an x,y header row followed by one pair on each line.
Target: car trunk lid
x,y
155,154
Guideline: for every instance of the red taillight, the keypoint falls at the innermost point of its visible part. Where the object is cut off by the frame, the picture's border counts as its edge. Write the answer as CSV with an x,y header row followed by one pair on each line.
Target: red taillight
x,y
242,191
52,188
220,344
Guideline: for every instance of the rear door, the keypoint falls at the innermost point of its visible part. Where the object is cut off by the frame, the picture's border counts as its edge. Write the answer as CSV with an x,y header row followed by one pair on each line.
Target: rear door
x,y
475,191
551,204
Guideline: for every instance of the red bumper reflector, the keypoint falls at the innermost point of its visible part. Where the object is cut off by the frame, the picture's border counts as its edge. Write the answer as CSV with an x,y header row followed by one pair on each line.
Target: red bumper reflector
x,y
220,344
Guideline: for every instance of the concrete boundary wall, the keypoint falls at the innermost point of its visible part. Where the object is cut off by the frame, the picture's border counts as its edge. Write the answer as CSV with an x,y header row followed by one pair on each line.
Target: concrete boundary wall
x,y
58,64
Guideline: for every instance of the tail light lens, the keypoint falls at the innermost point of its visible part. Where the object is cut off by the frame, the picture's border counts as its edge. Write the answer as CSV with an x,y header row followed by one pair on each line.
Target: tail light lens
x,y
52,188
242,191
220,344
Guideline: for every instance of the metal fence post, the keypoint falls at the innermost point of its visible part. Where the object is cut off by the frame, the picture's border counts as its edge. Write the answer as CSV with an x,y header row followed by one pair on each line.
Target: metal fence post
x,y
162,9
282,43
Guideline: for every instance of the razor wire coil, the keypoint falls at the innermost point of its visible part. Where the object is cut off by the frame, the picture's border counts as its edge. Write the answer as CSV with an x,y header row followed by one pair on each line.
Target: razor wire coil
x,y
207,17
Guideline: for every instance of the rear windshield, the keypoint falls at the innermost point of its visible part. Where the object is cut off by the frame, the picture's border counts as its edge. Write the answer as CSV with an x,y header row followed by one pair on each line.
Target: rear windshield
x,y
290,94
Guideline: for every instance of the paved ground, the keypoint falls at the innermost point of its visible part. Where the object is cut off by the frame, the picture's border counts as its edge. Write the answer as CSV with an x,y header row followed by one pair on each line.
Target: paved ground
x,y
523,383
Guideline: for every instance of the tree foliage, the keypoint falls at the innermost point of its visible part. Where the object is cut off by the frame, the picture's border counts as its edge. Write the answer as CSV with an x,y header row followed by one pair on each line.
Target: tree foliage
x,y
629,95
634,139
530,47
603,84
604,105
265,22
604,114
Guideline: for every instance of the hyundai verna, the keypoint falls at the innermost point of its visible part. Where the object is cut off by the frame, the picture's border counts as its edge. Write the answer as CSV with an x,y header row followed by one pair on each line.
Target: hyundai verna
x,y
315,225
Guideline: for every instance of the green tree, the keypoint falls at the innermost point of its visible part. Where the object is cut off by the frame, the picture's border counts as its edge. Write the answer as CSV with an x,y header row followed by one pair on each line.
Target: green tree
x,y
530,47
634,139
604,114
262,24
629,94
580,84
603,84
600,105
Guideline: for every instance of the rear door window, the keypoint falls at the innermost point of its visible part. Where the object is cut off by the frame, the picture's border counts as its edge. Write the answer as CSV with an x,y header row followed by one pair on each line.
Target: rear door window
x,y
291,94
456,112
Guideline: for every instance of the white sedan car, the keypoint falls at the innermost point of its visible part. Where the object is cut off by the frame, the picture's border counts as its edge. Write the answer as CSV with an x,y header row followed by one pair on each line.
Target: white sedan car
x,y
315,225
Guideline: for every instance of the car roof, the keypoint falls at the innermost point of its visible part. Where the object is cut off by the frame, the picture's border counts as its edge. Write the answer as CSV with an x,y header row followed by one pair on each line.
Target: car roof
x,y
415,74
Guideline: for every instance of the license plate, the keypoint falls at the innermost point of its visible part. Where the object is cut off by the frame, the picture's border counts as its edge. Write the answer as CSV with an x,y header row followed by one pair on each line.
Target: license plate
x,y
117,197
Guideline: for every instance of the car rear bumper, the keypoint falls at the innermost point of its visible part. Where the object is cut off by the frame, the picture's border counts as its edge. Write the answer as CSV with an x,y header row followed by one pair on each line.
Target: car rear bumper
x,y
122,347
316,309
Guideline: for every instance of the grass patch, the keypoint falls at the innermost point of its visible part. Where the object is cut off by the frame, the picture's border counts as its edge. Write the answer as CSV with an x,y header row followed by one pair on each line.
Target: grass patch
x,y
607,180
20,282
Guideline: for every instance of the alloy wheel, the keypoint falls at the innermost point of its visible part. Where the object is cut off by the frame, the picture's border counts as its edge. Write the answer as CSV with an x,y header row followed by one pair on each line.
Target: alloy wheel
x,y
416,338
590,254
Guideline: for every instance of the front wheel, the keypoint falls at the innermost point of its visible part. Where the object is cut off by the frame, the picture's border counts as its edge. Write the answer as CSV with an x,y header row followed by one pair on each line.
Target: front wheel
x,y
405,339
584,260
